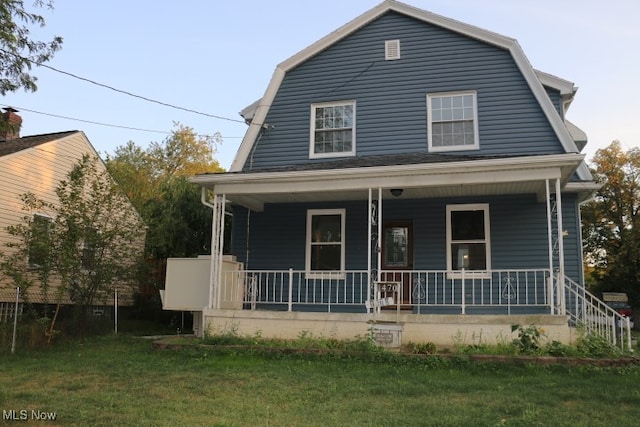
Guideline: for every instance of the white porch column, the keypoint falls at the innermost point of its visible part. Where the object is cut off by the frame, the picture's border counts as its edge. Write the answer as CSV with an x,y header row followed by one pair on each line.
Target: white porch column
x,y
550,293
370,290
217,239
560,246
379,245
220,249
374,223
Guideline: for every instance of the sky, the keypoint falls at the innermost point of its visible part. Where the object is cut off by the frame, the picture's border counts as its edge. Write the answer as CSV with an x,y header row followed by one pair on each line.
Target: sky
x,y
216,57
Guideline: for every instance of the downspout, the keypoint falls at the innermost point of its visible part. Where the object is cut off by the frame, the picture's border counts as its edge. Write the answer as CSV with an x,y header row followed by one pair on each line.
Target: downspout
x,y
583,202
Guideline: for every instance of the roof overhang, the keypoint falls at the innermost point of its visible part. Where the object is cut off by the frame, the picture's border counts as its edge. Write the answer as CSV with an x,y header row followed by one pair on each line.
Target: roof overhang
x,y
514,175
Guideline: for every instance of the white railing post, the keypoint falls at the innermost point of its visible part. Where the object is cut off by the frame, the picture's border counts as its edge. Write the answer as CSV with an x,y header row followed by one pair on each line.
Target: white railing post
x,y
290,305
463,294
549,298
254,291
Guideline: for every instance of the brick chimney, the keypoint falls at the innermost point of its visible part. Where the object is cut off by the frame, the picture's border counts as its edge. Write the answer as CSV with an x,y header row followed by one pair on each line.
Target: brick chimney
x,y
10,124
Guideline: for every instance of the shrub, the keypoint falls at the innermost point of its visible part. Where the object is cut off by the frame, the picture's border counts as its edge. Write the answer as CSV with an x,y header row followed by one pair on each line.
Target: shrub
x,y
422,348
528,340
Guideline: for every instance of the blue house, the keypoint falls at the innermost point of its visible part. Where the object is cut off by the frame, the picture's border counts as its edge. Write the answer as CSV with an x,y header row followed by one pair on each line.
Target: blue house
x,y
410,172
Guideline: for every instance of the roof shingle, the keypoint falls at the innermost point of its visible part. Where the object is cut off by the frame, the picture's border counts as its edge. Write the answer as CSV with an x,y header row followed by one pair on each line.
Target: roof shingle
x,y
14,145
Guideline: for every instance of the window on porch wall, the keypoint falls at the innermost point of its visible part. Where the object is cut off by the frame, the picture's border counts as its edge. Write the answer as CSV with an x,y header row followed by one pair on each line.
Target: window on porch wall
x,y
468,243
325,241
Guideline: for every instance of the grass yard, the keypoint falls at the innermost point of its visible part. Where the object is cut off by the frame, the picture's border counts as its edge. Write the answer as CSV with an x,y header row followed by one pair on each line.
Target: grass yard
x,y
120,381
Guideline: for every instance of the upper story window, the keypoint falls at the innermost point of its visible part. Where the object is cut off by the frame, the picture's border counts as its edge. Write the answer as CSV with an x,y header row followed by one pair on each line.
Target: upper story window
x,y
468,237
333,129
452,121
325,242
39,244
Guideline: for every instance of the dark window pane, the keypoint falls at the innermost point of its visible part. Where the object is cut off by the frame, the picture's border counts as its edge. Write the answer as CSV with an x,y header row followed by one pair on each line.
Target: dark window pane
x,y
325,257
395,247
467,225
326,228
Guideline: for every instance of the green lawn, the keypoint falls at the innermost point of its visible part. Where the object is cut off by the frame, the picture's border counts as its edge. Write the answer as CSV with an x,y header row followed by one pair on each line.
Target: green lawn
x,y
122,381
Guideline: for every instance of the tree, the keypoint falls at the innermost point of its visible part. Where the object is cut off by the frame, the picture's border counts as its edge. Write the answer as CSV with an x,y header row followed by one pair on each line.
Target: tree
x,y
611,221
90,245
184,153
18,51
98,237
156,182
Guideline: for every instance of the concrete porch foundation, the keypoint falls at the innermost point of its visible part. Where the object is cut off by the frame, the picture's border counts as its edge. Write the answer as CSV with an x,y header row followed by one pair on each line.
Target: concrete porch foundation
x,y
442,330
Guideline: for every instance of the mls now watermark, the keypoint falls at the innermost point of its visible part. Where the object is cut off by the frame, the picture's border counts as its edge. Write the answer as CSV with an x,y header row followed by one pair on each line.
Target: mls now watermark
x,y
26,415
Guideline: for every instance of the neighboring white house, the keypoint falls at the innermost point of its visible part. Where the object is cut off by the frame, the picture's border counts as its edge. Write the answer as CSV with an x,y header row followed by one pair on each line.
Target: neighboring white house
x,y
36,164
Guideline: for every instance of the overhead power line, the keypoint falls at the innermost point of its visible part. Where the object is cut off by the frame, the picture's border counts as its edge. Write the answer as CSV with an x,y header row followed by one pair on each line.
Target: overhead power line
x,y
104,124
124,91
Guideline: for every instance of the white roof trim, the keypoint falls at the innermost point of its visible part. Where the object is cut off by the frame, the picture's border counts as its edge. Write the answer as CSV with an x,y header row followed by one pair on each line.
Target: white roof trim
x,y
288,177
249,189
249,111
391,5
578,135
565,87
257,121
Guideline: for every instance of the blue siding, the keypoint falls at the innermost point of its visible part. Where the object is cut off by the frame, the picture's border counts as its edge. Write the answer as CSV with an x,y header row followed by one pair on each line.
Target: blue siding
x,y
556,100
391,95
572,241
518,233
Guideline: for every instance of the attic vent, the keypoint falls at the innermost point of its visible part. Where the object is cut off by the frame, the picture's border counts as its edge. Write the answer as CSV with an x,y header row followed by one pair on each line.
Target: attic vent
x,y
391,50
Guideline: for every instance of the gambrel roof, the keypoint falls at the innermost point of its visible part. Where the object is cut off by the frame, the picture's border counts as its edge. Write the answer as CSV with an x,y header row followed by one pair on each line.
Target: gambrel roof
x,y
257,112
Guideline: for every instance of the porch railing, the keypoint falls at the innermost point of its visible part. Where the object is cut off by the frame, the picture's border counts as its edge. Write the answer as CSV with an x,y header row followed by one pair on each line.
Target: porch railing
x,y
422,291
587,311
460,292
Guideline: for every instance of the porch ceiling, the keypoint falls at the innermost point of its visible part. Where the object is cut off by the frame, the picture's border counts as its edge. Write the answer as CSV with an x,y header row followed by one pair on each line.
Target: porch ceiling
x,y
515,175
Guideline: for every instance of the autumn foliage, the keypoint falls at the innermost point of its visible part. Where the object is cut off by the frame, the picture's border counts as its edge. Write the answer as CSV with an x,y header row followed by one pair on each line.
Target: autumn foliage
x,y
611,222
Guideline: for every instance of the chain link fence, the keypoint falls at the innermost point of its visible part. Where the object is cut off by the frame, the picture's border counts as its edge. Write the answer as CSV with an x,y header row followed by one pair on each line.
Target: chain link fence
x,y
26,319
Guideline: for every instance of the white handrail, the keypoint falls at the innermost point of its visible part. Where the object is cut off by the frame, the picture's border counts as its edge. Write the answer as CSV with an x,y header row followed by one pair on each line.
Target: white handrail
x,y
586,310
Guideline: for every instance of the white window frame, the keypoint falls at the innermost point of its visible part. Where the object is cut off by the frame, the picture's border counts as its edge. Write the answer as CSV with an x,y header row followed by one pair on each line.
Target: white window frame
x,y
476,139
319,274
486,273
312,135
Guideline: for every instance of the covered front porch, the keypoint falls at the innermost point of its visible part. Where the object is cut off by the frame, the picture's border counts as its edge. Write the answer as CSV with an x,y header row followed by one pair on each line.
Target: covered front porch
x,y
424,233
387,239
